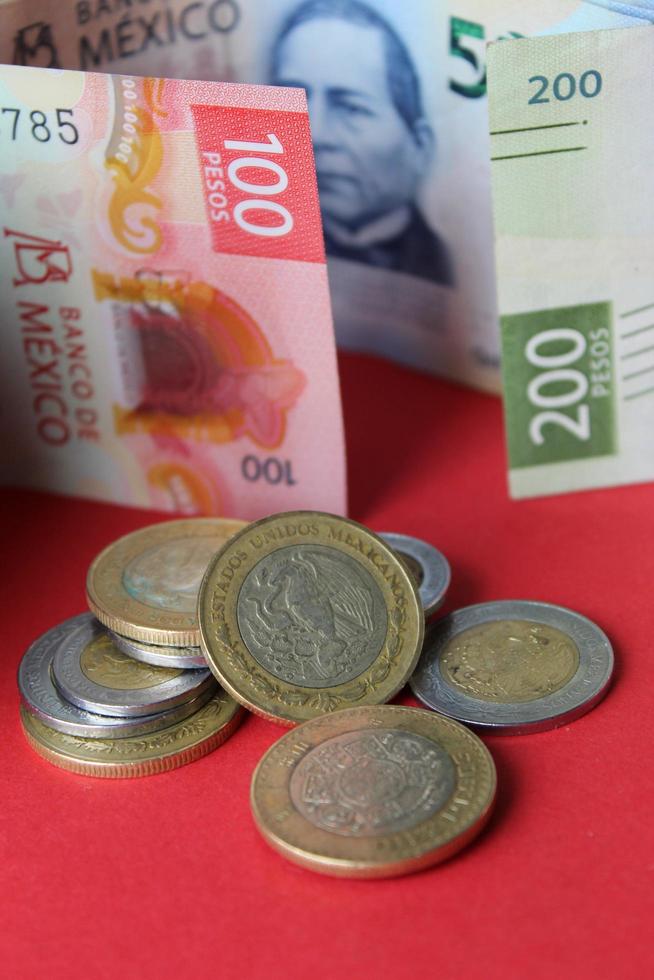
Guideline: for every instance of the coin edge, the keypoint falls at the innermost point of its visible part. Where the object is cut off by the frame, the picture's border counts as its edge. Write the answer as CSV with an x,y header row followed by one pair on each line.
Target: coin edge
x,y
282,719
127,770
348,868
163,636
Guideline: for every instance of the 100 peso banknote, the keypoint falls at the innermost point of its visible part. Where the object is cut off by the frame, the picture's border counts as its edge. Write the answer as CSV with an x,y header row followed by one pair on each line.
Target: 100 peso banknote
x,y
572,135
166,327
397,99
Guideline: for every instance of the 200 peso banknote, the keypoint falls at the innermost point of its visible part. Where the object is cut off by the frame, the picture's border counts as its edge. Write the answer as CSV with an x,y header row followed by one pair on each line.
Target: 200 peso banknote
x,y
397,99
166,328
572,135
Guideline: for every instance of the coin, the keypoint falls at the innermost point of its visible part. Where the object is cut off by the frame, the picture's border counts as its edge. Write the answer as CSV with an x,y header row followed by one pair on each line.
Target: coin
x,y
145,585
176,745
514,666
430,568
305,613
158,655
41,697
93,674
373,792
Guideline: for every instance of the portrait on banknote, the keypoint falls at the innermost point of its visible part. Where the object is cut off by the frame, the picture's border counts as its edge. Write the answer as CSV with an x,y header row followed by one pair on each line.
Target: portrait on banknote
x,y
372,140
376,87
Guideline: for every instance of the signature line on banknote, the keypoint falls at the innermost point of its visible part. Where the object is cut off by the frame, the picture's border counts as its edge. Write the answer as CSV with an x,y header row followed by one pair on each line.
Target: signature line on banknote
x,y
637,353
638,330
637,374
540,153
531,129
639,394
639,309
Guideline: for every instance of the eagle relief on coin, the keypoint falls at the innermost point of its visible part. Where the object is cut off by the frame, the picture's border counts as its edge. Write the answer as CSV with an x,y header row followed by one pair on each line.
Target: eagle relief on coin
x,y
92,673
305,613
41,697
514,666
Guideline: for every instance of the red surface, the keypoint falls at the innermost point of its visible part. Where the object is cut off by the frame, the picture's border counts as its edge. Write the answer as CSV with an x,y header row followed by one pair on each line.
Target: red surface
x,y
167,876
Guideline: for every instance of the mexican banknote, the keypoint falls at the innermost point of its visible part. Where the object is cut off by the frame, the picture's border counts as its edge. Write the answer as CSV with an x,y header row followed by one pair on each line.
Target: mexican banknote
x,y
166,330
397,99
572,136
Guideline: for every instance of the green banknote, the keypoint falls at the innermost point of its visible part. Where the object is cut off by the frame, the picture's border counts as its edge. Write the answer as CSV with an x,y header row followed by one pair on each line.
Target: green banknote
x,y
572,141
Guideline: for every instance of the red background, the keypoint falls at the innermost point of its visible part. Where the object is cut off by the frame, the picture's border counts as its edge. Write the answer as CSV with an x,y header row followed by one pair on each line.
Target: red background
x,y
167,876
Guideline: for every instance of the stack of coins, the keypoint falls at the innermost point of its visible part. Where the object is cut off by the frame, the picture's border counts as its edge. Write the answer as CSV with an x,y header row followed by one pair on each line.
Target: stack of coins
x,y
97,696
88,708
309,620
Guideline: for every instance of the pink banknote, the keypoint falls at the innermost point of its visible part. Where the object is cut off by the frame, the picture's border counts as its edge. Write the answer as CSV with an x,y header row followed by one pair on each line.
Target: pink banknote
x,y
166,328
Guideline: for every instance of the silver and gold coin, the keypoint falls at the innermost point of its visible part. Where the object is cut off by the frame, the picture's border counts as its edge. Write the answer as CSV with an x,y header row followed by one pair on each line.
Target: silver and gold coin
x,y
373,792
145,585
93,674
514,666
305,613
41,697
429,567
188,658
175,746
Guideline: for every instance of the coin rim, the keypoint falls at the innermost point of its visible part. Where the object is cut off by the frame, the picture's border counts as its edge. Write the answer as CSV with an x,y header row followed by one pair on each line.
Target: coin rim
x,y
34,672
157,655
436,570
219,653
64,757
127,615
73,684
516,718
412,859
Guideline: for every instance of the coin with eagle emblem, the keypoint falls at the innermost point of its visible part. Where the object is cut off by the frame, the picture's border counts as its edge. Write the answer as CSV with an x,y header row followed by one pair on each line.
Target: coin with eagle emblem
x,y
514,666
40,696
93,674
305,613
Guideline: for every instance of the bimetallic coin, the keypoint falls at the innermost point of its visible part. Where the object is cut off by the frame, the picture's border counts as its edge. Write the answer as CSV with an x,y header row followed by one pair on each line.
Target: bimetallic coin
x,y
373,792
157,655
145,585
92,673
41,697
183,742
305,613
430,568
514,666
